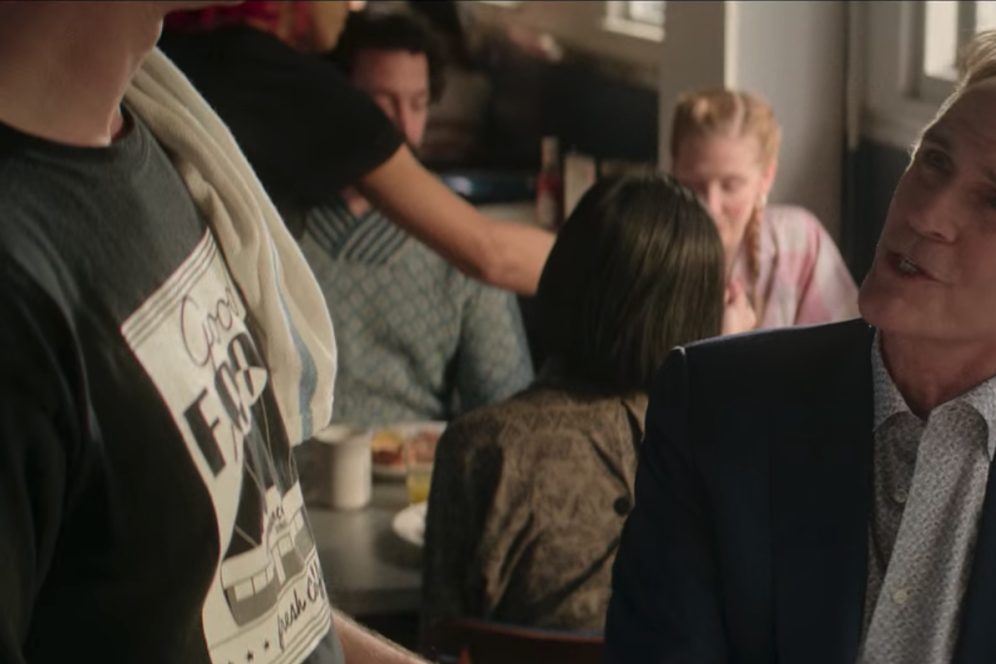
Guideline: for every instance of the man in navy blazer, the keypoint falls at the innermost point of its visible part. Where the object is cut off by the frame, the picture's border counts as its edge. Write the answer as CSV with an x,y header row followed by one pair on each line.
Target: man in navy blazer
x,y
822,494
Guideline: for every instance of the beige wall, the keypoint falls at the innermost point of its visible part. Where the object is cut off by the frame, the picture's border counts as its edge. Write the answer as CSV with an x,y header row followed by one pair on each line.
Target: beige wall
x,y
579,26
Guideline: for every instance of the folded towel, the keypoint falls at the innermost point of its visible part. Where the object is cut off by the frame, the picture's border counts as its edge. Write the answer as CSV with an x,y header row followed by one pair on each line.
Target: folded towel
x,y
291,322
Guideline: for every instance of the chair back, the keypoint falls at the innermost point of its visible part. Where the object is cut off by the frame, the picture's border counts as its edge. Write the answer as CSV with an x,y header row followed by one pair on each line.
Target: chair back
x,y
469,641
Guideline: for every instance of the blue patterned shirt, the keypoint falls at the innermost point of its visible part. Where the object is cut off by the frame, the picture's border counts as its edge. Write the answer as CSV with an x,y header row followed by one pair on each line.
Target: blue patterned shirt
x,y
417,339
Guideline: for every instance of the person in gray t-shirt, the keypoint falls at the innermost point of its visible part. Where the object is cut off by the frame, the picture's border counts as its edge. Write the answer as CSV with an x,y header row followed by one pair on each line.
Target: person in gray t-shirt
x,y
149,506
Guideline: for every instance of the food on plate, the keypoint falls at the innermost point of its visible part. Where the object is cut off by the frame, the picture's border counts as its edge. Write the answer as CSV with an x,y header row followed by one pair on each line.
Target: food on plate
x,y
388,447
388,444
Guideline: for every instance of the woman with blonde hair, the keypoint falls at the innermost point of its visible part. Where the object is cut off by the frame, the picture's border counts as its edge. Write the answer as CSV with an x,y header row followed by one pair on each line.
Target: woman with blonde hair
x,y
724,147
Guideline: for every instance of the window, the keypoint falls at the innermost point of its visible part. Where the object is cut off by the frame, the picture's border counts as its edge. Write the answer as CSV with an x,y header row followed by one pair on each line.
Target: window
x,y
945,26
649,13
639,18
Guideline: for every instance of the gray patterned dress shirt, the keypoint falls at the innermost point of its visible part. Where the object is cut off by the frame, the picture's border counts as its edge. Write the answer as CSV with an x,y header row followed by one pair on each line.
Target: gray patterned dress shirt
x,y
930,482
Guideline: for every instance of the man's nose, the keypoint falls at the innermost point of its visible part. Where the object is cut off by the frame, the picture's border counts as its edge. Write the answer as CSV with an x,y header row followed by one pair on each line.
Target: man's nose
x,y
935,215
408,124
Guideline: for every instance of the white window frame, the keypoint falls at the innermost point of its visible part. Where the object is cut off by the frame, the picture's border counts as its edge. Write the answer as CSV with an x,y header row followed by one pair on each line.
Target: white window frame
x,y
933,88
508,4
617,19
888,60
898,97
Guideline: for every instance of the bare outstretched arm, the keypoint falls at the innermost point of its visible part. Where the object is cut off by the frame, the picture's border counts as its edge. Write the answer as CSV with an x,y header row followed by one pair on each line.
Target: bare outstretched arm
x,y
504,254
361,646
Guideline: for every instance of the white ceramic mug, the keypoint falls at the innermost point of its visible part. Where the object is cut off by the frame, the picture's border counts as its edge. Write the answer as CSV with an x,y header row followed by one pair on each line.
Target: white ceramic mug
x,y
341,465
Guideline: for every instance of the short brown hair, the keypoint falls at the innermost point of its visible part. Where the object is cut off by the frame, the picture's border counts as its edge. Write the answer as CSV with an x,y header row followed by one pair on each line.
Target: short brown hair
x,y
394,31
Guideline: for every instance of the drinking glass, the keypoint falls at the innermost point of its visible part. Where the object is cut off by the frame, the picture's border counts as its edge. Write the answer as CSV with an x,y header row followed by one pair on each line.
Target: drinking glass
x,y
419,451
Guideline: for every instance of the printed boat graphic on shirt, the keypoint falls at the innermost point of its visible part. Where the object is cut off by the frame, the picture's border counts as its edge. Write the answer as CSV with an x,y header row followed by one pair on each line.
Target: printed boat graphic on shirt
x,y
267,603
253,579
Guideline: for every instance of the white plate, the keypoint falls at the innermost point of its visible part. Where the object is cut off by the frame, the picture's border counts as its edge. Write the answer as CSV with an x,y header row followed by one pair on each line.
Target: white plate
x,y
409,524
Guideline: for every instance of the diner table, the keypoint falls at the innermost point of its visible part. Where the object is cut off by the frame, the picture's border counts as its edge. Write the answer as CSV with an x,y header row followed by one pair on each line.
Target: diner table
x,y
369,569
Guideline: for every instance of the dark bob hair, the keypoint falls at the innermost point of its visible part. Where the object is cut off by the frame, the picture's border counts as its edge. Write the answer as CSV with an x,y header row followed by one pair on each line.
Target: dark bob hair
x,y
636,270
392,31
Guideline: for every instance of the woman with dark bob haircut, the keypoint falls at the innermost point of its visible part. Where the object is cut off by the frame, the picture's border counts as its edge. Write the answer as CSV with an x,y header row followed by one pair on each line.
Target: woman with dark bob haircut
x,y
529,495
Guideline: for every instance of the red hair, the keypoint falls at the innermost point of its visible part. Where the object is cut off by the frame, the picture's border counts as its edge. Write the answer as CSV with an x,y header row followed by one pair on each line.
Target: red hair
x,y
268,15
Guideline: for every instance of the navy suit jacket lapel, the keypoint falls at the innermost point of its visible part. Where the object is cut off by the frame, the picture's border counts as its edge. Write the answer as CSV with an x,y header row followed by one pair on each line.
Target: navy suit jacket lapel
x,y
977,640
821,475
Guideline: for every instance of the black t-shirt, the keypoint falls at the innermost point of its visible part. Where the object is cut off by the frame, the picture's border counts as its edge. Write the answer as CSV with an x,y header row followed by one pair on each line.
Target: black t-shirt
x,y
305,130
149,503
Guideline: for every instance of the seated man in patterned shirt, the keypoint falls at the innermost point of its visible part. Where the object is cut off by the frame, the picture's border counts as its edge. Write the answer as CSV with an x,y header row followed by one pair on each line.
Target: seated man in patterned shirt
x,y
417,339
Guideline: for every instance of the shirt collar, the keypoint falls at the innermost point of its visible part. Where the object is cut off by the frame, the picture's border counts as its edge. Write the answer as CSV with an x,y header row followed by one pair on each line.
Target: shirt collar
x,y
888,400
982,398
368,237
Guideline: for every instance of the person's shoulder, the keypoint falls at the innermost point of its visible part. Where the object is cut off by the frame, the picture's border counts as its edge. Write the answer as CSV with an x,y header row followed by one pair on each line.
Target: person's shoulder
x,y
763,346
238,45
236,65
790,216
460,287
33,307
467,289
39,201
780,355
18,156
27,209
39,292
502,424
793,226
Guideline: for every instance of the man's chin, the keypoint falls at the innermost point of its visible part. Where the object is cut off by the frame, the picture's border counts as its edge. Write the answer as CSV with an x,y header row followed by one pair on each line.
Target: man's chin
x,y
887,310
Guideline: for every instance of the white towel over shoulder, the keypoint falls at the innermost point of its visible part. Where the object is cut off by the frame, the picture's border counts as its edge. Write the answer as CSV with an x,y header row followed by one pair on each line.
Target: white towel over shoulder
x,y
292,325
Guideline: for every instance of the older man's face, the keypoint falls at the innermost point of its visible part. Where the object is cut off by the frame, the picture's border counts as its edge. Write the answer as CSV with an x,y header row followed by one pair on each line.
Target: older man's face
x,y
934,275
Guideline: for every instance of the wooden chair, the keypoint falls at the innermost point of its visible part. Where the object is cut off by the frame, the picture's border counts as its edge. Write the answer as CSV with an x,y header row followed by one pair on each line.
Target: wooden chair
x,y
467,641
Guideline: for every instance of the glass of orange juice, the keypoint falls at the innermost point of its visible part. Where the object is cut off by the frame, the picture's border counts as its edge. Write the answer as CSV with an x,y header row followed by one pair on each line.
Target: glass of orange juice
x,y
420,447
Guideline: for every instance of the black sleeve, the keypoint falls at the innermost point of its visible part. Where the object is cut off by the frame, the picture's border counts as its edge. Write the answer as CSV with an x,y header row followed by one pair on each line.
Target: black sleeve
x,y
304,129
35,408
664,606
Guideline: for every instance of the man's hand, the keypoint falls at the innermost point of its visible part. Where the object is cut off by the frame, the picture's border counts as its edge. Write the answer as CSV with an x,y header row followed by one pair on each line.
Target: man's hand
x,y
738,314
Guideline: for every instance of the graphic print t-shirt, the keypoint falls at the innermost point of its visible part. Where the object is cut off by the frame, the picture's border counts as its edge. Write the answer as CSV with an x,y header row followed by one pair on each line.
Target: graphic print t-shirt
x,y
149,503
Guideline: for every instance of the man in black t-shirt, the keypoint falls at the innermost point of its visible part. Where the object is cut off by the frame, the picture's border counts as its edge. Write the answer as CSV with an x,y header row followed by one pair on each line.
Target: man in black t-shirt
x,y
309,134
149,504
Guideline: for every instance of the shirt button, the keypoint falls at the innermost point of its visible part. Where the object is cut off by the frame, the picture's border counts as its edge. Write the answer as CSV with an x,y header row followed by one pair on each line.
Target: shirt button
x,y
900,496
900,596
622,506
